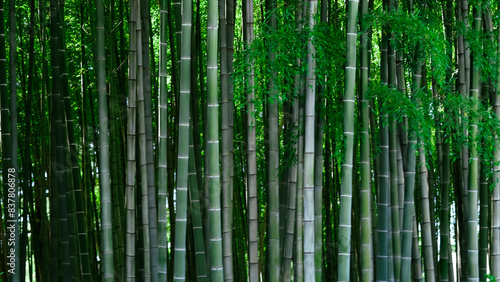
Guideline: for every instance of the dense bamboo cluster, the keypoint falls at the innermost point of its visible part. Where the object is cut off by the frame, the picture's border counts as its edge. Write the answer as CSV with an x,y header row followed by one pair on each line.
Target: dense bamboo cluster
x,y
250,141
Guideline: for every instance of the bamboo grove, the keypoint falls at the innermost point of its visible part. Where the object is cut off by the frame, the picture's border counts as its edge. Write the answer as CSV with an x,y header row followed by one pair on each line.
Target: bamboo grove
x,y
279,140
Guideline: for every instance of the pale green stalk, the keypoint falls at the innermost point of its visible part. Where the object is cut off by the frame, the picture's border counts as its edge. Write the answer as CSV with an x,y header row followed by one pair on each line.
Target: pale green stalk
x,y
495,224
409,203
252,200
162,150
367,274
472,193
183,144
426,215
347,177
309,264
212,153
272,259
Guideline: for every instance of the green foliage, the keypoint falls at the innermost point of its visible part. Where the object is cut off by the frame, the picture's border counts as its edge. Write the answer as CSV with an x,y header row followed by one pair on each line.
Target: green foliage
x,y
413,37
490,278
483,46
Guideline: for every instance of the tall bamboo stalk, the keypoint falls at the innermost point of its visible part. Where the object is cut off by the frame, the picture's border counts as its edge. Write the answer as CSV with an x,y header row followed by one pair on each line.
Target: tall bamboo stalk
x,y
162,150
426,218
495,224
298,258
309,261
130,246
252,200
409,203
472,193
212,154
226,146
104,172
273,266
347,177
183,145
445,170
199,243
367,273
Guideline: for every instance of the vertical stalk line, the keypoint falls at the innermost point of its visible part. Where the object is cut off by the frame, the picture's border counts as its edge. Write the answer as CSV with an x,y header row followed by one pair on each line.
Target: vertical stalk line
x,y
272,259
230,21
73,192
61,166
402,139
298,262
394,235
252,197
150,167
444,222
495,224
197,223
104,170
172,114
319,262
28,169
382,169
116,148
227,166
483,219
130,252
409,203
163,147
367,271
347,163
462,150
427,247
143,166
309,257
330,265
183,144
45,150
212,154
289,231
319,257
472,193
415,253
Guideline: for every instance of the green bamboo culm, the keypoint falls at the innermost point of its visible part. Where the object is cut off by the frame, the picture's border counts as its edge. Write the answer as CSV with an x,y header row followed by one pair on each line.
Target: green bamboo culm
x,y
382,165
272,254
141,114
104,173
163,141
444,225
495,224
252,206
212,154
130,259
365,170
344,258
226,142
183,144
409,202
199,242
309,267
472,193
